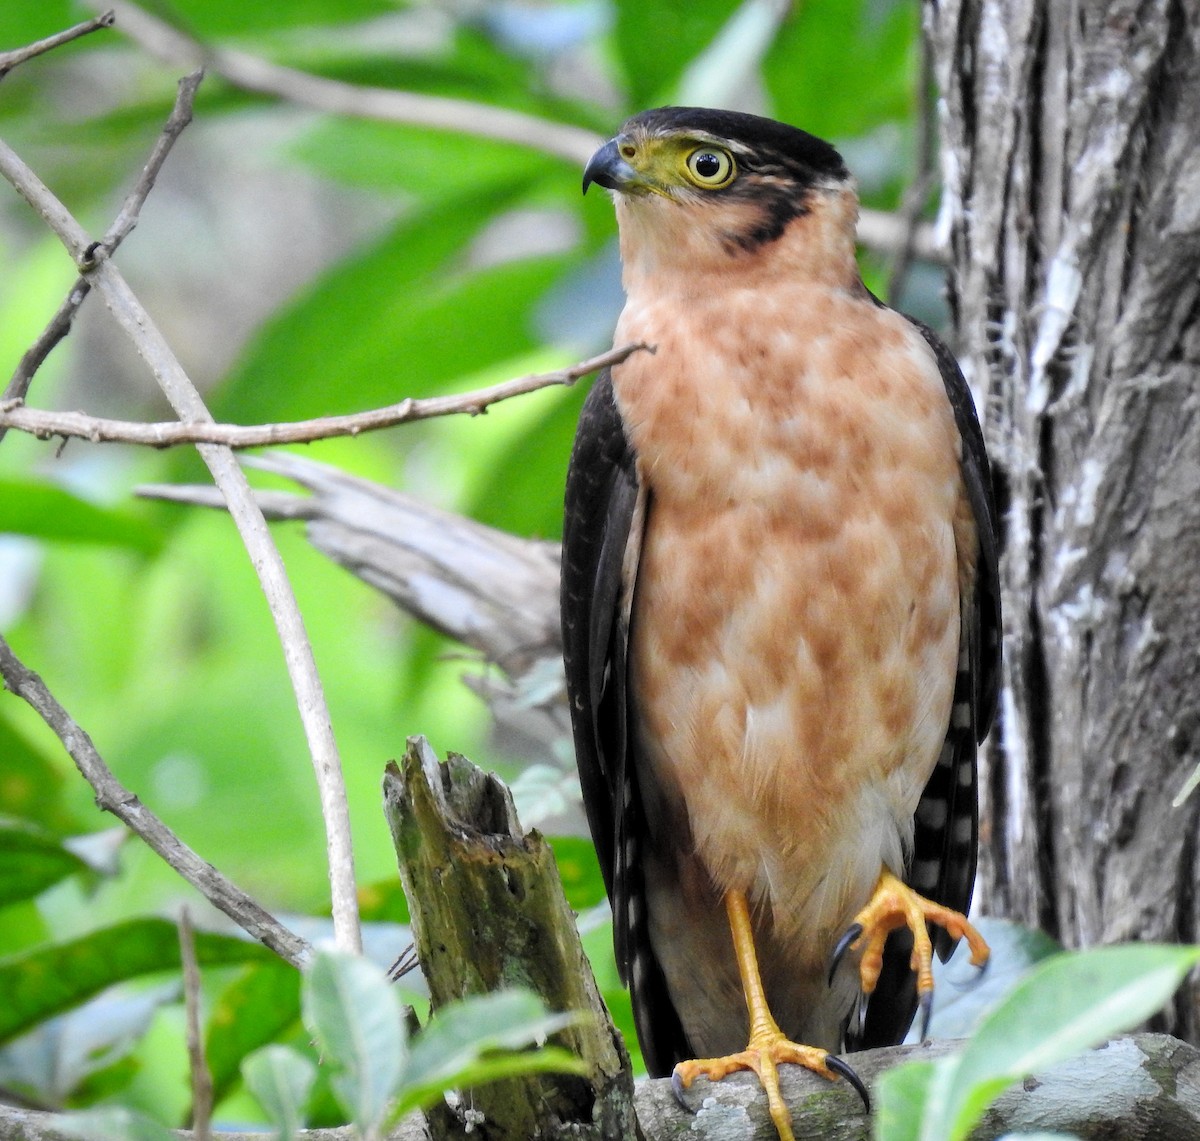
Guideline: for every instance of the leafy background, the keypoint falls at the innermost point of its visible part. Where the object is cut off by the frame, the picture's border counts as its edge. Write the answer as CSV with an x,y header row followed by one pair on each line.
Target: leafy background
x,y
304,264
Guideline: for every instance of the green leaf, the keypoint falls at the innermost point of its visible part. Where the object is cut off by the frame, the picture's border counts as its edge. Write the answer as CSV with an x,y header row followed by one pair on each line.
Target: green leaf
x,y
45,511
106,1083
810,84
734,57
526,467
490,1068
258,1007
43,982
460,1032
657,39
900,1097
113,1124
472,1041
281,1079
1069,1003
353,1012
86,1055
31,860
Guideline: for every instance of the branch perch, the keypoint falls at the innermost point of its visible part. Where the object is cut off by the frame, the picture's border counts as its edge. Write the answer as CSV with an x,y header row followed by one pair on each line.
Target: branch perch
x,y
46,424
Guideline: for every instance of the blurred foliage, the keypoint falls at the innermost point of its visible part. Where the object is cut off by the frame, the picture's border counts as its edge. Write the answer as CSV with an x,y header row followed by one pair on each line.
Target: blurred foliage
x,y
304,264
1067,1004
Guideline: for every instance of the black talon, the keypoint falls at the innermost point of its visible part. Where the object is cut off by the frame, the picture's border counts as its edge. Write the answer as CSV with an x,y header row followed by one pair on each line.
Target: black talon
x,y
843,945
925,1004
677,1088
843,1069
977,976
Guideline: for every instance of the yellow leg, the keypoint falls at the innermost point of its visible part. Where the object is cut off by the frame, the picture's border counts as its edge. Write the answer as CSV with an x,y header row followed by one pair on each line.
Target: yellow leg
x,y
768,1046
893,905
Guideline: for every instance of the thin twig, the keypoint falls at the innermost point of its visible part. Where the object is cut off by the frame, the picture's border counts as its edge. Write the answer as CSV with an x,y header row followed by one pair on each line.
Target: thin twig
x,y
177,121
112,796
202,1082
33,358
18,56
264,556
60,323
78,425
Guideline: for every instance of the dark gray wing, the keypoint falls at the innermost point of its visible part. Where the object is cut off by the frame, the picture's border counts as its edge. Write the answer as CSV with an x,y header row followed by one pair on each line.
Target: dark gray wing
x,y
946,834
602,502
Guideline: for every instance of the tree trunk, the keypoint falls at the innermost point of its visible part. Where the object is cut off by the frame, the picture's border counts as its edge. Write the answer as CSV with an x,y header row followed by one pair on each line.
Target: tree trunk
x,y
1071,151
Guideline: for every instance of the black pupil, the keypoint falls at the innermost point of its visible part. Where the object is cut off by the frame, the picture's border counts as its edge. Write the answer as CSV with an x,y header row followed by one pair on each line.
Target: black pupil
x,y
708,165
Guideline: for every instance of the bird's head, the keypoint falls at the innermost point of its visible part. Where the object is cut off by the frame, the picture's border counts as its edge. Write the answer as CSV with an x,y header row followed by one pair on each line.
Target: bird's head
x,y
712,188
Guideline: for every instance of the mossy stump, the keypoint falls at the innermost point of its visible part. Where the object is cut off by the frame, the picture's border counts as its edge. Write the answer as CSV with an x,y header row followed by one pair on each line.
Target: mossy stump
x,y
488,912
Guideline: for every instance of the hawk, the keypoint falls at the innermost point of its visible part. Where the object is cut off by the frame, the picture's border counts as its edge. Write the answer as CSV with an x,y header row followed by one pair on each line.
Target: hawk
x,y
780,613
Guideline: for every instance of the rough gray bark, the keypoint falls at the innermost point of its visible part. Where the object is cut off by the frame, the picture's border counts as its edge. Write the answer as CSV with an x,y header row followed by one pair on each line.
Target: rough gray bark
x,y
1071,146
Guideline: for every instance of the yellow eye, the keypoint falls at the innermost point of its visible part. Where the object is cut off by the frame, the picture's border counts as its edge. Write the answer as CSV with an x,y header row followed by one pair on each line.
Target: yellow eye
x,y
711,167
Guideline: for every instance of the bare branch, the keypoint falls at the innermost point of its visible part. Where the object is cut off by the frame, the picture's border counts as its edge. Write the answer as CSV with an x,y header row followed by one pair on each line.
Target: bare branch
x,y
201,1076
45,424
112,796
11,59
180,117
35,355
267,562
60,324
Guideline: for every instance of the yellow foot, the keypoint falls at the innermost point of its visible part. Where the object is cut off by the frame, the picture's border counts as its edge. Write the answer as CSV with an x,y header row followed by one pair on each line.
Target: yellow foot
x,y
763,1055
768,1044
893,905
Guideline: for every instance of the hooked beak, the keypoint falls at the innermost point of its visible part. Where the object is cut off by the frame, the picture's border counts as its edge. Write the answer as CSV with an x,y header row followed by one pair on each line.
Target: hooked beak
x,y
608,169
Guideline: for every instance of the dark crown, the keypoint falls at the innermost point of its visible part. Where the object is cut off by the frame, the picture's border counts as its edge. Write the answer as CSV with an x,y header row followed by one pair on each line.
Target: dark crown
x,y
772,139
